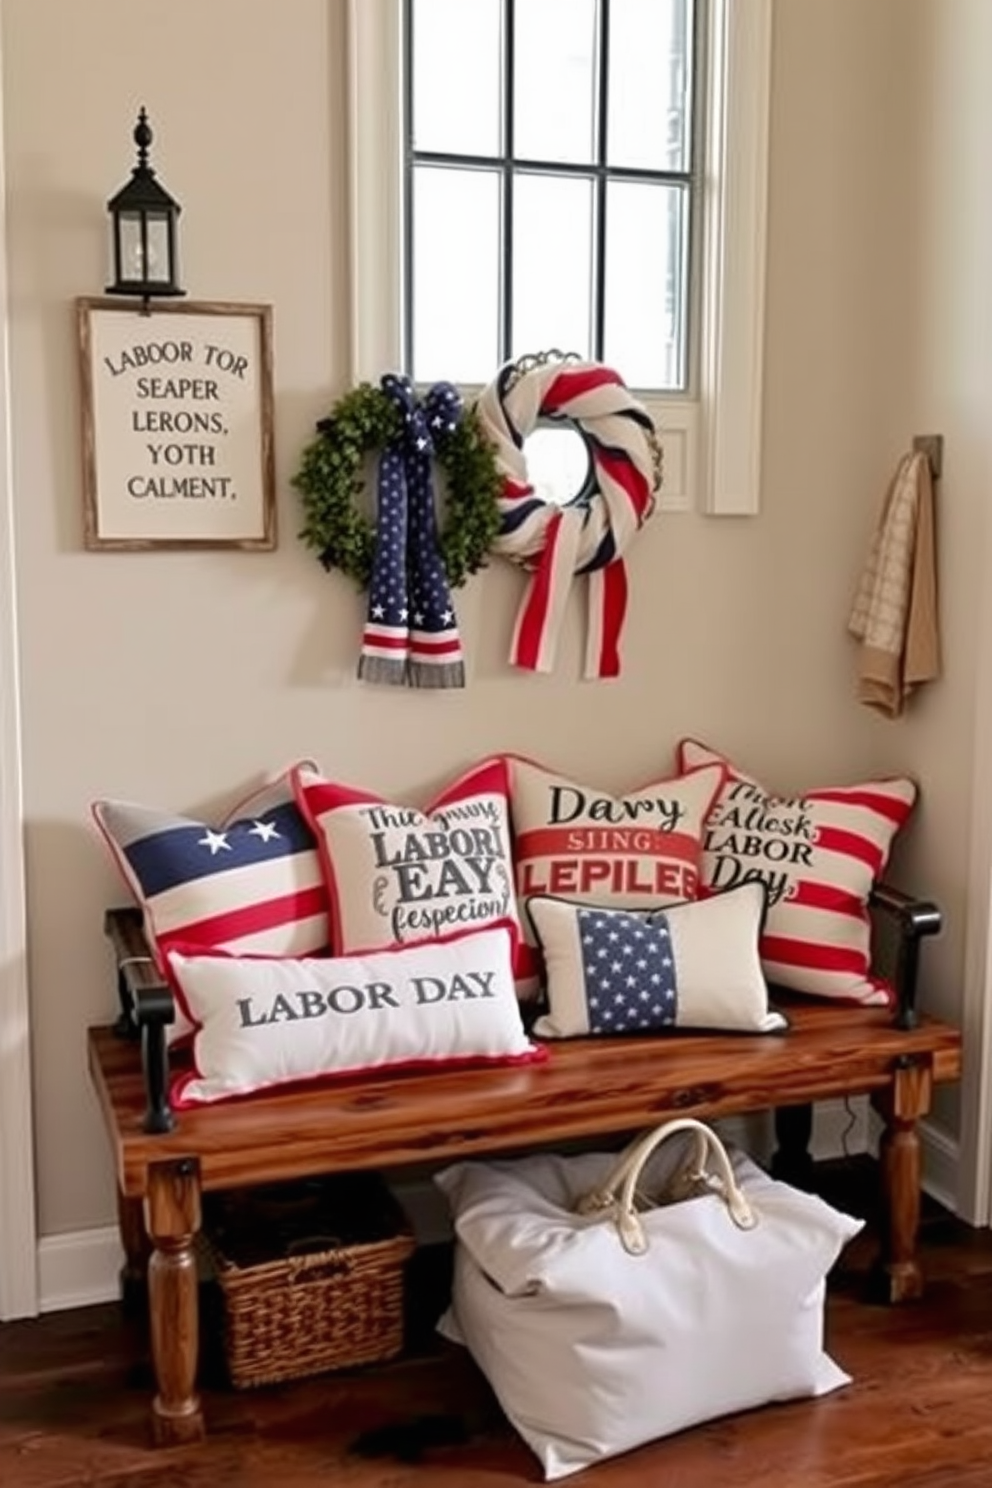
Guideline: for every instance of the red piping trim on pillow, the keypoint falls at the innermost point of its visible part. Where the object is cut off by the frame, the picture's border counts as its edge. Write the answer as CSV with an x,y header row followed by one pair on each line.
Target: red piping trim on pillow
x,y
538,1054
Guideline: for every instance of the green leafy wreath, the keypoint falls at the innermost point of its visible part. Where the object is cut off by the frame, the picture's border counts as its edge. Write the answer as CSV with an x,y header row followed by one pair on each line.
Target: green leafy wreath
x,y
330,480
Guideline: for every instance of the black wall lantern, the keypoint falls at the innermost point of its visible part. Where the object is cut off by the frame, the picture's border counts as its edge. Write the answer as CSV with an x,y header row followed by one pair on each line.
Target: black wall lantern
x,y
143,222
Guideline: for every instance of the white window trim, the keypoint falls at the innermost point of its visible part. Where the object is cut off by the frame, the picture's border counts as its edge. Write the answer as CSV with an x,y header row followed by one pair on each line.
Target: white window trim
x,y
18,1249
712,444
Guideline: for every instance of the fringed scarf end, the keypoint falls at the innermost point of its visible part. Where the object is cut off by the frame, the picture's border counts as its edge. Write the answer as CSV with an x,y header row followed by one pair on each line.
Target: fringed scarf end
x,y
436,674
389,670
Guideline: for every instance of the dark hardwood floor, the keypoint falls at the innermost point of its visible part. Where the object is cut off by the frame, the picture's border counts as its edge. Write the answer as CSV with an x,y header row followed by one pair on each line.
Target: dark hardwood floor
x,y
73,1401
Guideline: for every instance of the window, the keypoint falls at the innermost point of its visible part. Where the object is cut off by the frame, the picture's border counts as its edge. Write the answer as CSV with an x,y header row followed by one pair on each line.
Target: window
x,y
559,161
554,173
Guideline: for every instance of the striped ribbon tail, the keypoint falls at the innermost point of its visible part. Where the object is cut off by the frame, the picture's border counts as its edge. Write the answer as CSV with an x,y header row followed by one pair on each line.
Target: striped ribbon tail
x,y
386,639
607,612
436,658
410,635
539,620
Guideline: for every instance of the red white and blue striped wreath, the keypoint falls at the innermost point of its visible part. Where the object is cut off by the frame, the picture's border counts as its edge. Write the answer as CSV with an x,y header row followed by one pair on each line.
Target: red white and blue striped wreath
x,y
588,535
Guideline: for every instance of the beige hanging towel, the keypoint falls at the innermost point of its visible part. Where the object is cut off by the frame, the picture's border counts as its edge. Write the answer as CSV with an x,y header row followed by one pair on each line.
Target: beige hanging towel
x,y
894,614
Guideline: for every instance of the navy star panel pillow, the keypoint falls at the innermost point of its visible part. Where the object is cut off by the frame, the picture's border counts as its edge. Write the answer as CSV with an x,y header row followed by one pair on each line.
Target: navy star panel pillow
x,y
252,883
690,965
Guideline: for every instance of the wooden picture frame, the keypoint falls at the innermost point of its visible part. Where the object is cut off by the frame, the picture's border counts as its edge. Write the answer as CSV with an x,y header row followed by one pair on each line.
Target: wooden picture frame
x,y
177,416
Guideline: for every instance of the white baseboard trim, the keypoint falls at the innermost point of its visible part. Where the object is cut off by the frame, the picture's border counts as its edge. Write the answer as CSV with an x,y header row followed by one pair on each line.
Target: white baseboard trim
x,y
837,1132
82,1268
941,1165
79,1269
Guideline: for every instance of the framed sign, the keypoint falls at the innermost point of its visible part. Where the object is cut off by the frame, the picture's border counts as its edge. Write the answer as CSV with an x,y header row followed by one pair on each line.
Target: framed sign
x,y
177,425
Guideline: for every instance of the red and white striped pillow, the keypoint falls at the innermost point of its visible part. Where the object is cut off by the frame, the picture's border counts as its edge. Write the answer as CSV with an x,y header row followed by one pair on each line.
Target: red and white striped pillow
x,y
250,885
818,855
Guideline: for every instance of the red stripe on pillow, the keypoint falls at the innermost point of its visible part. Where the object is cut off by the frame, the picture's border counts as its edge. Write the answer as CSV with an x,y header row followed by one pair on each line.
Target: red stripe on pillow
x,y
776,948
894,808
852,845
812,895
249,920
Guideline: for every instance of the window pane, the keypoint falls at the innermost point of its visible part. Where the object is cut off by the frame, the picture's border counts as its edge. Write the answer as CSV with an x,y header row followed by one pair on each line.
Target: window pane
x,y
552,264
456,76
649,85
456,238
555,88
646,283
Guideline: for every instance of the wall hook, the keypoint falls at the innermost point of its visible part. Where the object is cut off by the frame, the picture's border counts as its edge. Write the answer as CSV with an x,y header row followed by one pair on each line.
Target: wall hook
x,y
931,445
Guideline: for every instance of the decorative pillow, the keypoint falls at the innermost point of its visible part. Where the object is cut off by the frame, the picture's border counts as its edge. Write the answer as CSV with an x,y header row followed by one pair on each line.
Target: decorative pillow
x,y
251,884
636,851
818,855
397,875
695,965
265,1021
626,851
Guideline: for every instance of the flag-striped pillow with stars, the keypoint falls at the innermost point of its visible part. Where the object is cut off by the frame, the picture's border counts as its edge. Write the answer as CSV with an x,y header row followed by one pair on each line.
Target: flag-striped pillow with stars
x,y
251,884
691,965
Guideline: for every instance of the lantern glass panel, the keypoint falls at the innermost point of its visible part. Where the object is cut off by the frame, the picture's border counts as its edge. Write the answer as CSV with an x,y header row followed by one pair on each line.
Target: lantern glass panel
x,y
144,238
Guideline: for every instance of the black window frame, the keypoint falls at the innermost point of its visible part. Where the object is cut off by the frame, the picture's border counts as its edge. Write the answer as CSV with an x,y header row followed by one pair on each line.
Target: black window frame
x,y
506,164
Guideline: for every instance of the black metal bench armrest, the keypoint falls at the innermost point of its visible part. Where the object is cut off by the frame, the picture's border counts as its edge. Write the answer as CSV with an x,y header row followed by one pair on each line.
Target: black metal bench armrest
x,y
911,919
147,1009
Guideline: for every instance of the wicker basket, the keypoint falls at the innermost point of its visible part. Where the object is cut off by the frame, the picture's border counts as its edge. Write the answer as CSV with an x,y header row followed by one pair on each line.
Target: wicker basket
x,y
311,1276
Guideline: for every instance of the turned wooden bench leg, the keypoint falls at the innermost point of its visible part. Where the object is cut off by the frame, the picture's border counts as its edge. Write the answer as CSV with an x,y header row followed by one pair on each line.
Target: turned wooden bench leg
x,y
172,1218
898,1276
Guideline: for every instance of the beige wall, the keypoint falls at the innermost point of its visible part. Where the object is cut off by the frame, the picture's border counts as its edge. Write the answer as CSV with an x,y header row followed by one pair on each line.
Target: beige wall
x,y
946,108
178,679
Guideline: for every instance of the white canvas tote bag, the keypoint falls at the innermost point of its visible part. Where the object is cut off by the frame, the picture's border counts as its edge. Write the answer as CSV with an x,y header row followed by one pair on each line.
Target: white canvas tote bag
x,y
611,1301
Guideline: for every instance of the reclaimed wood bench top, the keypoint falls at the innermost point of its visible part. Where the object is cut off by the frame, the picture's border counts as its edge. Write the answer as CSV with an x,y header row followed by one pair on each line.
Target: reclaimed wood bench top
x,y
586,1087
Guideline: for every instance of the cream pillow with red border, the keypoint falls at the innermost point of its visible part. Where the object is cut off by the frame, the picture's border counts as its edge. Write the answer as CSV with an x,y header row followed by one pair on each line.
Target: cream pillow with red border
x,y
694,965
641,850
264,1021
397,874
818,855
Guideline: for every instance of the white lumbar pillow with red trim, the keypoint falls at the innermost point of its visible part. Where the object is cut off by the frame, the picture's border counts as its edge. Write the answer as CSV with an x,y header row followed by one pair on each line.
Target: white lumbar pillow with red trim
x,y
267,1021
397,874
819,855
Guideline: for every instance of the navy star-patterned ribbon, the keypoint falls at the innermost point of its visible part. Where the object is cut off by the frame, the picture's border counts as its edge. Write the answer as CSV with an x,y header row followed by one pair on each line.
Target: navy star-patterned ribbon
x,y
410,637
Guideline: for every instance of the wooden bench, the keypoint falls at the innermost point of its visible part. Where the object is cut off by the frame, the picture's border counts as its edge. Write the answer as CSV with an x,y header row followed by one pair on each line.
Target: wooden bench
x,y
588,1088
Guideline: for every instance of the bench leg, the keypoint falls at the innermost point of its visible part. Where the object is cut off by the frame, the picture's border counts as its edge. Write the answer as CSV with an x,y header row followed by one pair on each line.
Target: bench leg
x,y
898,1276
172,1217
134,1242
792,1162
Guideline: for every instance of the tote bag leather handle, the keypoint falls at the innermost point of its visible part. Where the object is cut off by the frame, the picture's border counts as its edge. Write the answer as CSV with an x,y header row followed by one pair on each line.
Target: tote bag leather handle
x,y
617,1194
